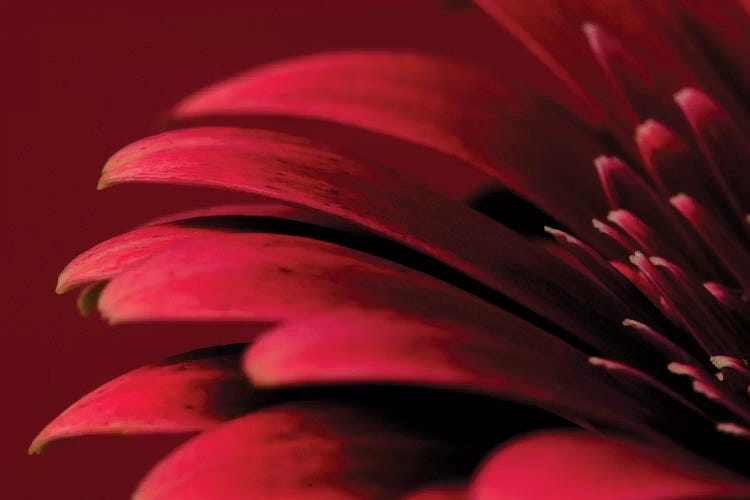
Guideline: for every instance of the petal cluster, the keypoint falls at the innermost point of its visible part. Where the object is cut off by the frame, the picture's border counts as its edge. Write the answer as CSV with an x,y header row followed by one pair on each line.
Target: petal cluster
x,y
388,302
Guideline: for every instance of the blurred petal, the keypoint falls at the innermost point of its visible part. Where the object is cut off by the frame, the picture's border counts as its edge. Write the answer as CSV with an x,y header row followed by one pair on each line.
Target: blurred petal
x,y
589,467
187,393
321,452
650,29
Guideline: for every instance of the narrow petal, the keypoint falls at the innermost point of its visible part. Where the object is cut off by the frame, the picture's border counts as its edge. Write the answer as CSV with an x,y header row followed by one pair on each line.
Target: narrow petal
x,y
675,167
726,246
552,31
626,190
295,451
725,148
516,361
112,257
187,393
584,466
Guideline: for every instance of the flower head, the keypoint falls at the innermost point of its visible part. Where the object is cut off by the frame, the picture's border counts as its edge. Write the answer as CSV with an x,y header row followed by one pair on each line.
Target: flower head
x,y
391,305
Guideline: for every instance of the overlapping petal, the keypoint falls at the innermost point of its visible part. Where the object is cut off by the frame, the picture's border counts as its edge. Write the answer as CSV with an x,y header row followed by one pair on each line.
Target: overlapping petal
x,y
442,104
295,171
321,452
377,282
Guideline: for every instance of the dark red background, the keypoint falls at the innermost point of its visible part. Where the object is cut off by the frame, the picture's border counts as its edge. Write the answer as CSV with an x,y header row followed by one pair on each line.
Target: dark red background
x,y
80,81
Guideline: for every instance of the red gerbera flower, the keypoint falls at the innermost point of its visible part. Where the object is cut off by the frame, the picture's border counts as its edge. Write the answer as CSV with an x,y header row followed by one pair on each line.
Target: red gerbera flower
x,y
393,306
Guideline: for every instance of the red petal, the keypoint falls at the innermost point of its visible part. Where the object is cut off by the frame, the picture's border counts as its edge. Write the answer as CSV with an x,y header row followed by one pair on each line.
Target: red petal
x,y
724,29
626,190
276,277
630,81
723,145
724,243
111,257
191,392
583,467
514,360
675,167
298,172
312,452
607,274
551,30
442,104
268,277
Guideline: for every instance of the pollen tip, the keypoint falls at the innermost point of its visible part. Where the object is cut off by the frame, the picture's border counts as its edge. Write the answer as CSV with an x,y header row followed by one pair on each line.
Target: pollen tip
x,y
614,215
658,261
601,362
681,369
636,258
632,323
719,361
733,429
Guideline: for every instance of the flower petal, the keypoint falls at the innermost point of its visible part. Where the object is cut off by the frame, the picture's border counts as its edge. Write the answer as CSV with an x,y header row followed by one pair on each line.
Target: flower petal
x,y
300,451
626,190
514,361
445,105
111,257
187,393
584,466
724,146
296,171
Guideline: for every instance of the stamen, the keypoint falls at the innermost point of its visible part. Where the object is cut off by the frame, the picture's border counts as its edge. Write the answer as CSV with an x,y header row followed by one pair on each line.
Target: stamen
x,y
624,241
733,429
698,309
712,390
719,238
666,347
644,384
